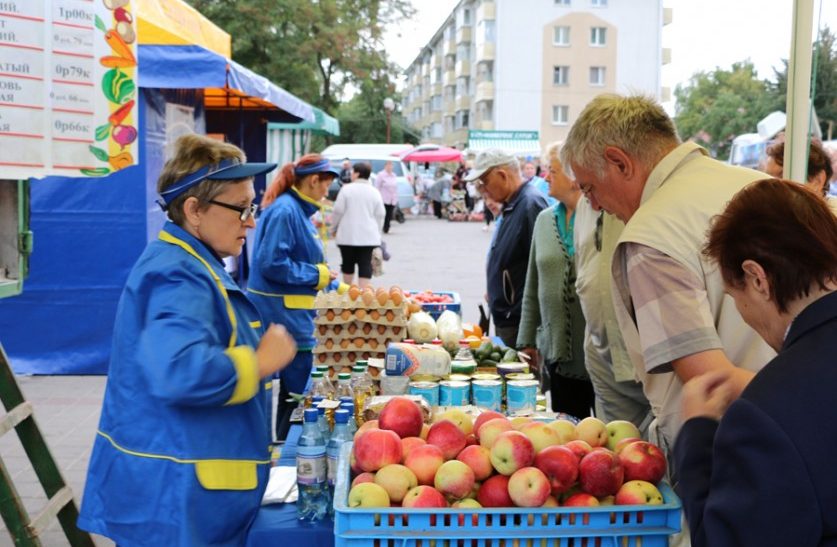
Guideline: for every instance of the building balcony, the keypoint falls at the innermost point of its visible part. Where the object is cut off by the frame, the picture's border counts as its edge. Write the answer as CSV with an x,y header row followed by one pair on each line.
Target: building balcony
x,y
449,107
457,139
463,35
437,88
668,16
463,102
484,125
449,78
485,92
666,56
485,11
449,46
485,51
463,68
665,94
434,117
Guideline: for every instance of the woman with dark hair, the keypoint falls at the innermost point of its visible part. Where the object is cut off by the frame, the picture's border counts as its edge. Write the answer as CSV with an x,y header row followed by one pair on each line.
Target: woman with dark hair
x,y
760,470
289,266
819,168
183,430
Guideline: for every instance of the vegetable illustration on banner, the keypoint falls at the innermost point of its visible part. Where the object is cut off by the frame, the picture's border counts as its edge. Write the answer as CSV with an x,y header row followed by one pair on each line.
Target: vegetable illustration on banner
x,y
116,138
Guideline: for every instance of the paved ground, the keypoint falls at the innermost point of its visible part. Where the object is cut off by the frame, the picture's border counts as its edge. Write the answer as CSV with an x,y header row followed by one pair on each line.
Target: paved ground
x,y
426,254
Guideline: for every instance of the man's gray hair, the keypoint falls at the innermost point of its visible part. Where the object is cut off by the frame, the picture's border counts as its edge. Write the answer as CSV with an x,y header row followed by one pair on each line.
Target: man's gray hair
x,y
635,124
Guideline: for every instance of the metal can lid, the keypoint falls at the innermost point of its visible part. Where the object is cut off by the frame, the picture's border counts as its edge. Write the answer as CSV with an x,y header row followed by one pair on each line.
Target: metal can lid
x,y
522,383
454,384
520,376
424,385
488,383
485,376
455,377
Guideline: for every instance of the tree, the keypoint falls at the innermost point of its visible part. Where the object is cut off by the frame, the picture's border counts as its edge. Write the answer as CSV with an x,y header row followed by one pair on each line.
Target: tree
x,y
715,107
313,49
825,82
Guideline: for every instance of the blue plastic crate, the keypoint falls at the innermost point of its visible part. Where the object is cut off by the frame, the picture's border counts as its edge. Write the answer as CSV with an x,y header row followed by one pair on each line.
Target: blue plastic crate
x,y
608,526
436,309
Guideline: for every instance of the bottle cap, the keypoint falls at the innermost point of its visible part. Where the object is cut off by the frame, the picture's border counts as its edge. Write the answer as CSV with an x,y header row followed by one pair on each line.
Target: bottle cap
x,y
316,375
341,417
358,368
344,376
436,342
316,399
348,405
346,399
311,415
321,368
321,410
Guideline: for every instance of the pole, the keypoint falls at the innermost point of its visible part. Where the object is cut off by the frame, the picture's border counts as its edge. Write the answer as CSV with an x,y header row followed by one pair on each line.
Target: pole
x,y
389,118
799,92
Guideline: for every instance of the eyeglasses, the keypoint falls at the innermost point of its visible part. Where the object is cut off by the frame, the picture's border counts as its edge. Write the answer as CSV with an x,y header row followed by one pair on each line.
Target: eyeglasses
x,y
481,183
585,189
244,213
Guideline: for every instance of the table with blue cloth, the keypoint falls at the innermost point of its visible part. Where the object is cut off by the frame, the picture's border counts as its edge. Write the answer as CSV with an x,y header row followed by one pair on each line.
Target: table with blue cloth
x,y
277,523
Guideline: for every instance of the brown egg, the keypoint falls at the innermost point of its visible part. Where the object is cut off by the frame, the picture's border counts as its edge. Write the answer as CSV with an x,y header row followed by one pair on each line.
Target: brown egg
x,y
396,330
322,357
354,292
329,343
330,315
382,297
337,329
373,343
360,313
365,355
344,344
390,315
352,328
397,298
359,342
337,357
351,356
375,315
345,315
322,329
368,296
367,328
381,329
414,307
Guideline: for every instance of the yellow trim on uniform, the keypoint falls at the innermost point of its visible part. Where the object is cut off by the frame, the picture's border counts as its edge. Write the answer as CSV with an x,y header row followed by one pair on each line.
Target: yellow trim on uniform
x,y
321,206
268,384
226,474
168,238
165,457
255,324
247,374
299,301
325,276
342,288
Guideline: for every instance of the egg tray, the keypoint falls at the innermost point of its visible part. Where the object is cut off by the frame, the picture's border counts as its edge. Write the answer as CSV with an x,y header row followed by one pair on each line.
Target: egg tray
x,y
382,333
396,321
367,345
343,302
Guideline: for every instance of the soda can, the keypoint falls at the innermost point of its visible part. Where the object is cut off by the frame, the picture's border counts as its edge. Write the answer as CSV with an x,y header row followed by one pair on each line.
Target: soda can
x,y
487,394
454,393
521,396
428,390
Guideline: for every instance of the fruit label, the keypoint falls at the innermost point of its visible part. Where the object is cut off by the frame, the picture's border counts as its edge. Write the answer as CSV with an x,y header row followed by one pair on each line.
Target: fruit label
x,y
311,467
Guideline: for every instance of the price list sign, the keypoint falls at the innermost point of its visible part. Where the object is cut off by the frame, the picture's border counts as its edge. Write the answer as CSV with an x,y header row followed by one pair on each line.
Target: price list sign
x,y
67,87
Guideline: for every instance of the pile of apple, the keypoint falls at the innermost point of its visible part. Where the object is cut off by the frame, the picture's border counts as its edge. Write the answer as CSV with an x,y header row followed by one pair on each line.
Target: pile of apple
x,y
493,461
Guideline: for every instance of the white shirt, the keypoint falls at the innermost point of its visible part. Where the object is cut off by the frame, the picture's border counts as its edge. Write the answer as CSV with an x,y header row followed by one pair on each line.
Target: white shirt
x,y
358,215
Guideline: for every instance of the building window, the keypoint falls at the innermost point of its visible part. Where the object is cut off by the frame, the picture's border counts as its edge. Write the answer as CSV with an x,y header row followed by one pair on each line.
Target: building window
x,y
462,119
598,36
437,74
436,130
560,114
488,30
561,36
466,16
598,3
436,103
560,75
597,75
562,2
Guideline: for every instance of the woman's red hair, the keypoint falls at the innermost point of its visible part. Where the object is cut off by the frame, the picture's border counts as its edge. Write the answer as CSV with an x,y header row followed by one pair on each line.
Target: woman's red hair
x,y
286,178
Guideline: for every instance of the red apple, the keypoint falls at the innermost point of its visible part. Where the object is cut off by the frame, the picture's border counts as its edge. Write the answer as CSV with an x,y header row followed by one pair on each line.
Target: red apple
x,y
397,480
638,493
470,440
560,466
581,499
643,461
625,442
424,496
478,458
551,501
600,473
364,477
541,435
495,492
376,448
402,416
593,431
366,426
512,451
528,487
579,448
454,479
448,437
483,418
424,461
410,443
490,430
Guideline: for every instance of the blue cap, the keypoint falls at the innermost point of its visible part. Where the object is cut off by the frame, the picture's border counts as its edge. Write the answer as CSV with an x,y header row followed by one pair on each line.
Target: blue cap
x,y
310,415
322,166
229,169
341,416
321,410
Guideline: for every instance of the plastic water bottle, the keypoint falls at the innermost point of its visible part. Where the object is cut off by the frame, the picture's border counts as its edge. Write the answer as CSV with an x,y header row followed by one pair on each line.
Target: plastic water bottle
x,y
349,406
322,423
344,385
338,437
360,388
318,385
328,385
311,470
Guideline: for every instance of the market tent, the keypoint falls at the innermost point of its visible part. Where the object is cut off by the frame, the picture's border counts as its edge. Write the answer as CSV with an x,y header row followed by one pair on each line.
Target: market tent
x,y
89,232
429,155
288,141
519,143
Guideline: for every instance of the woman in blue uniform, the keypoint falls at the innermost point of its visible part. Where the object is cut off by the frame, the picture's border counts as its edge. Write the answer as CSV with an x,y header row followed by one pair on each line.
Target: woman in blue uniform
x,y
181,457
289,266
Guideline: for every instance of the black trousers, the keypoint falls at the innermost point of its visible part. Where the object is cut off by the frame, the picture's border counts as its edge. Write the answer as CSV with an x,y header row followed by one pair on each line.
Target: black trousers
x,y
437,209
569,395
388,218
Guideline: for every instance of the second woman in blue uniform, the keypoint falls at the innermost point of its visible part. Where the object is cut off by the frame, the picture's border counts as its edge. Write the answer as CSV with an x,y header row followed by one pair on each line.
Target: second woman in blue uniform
x,y
289,266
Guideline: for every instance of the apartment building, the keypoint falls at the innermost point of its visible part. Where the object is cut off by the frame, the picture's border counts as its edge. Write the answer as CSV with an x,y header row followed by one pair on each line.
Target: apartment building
x,y
517,73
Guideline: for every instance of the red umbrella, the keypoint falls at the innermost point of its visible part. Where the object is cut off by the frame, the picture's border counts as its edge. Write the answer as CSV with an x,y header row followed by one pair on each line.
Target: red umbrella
x,y
430,155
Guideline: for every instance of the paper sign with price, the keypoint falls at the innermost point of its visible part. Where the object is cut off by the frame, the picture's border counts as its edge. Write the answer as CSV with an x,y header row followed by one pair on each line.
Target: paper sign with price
x,y
67,87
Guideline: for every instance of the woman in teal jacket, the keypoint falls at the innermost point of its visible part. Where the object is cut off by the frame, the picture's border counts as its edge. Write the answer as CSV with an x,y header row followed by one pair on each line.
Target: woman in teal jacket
x,y
289,266
181,457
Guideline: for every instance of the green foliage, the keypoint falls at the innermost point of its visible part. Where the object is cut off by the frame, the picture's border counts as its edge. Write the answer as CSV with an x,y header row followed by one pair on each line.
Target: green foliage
x,y
825,84
715,107
313,49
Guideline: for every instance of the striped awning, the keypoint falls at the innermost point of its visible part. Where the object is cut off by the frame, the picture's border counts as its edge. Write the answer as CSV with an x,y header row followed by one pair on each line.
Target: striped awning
x,y
520,143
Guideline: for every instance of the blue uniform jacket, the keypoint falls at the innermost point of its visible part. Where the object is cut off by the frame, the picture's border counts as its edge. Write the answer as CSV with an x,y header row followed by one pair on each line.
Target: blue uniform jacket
x,y
765,475
288,266
181,457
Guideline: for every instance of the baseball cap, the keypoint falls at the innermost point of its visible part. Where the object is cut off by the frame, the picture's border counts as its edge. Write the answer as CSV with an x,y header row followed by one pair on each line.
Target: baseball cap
x,y
228,169
488,158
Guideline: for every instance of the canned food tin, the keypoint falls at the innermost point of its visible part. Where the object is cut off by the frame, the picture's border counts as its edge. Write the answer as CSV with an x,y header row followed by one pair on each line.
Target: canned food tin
x,y
463,367
487,394
454,393
509,368
540,402
521,396
459,378
424,378
485,376
513,376
428,390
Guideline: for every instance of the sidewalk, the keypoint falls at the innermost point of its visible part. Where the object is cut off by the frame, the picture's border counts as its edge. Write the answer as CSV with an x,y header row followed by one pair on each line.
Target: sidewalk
x,y
426,254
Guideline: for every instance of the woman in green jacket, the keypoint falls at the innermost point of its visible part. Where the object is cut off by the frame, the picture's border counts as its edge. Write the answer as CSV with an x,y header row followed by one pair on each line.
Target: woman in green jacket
x,y
552,324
